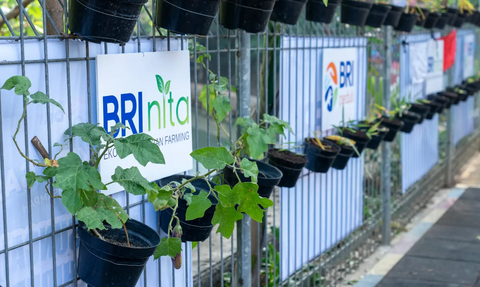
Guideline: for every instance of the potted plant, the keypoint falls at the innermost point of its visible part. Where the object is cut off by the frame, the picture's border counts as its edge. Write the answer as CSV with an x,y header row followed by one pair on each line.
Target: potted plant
x,y
393,16
113,248
454,98
249,15
321,11
289,163
355,12
320,154
347,149
422,17
408,19
444,20
107,21
433,108
461,93
401,112
377,15
441,100
359,137
375,131
186,16
420,109
287,11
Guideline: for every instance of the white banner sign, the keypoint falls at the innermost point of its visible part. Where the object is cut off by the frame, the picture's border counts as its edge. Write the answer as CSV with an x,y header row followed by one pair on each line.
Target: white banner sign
x,y
434,81
468,56
340,86
149,93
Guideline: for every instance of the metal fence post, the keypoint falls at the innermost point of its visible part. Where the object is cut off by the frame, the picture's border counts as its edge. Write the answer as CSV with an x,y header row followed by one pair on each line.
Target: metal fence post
x,y
244,233
386,175
449,135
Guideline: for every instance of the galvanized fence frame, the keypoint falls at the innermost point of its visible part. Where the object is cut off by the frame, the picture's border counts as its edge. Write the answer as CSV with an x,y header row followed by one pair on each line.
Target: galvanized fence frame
x,y
251,63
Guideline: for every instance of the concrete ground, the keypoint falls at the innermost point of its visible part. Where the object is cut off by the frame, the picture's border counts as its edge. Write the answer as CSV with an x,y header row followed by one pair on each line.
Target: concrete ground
x,y
441,246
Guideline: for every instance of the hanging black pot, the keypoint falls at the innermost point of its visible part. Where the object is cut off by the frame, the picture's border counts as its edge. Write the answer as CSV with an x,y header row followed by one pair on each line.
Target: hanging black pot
x,y
461,93
393,16
346,152
193,230
287,11
393,125
407,22
268,177
376,139
455,99
471,88
187,16
289,163
319,160
460,20
316,11
431,20
249,15
444,101
475,17
110,262
453,15
443,20
360,138
420,109
104,21
434,108
355,12
378,14
422,19
409,119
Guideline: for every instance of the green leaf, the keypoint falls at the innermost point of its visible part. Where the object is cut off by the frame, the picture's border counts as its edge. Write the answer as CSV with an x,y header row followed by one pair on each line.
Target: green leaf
x,y
249,200
74,174
222,107
200,203
89,133
203,97
20,83
142,147
71,200
112,205
32,177
257,141
132,180
226,195
189,185
188,198
116,127
213,157
244,122
250,169
167,87
170,246
194,244
225,217
41,98
163,196
160,84
325,2
110,217
276,121
89,197
91,218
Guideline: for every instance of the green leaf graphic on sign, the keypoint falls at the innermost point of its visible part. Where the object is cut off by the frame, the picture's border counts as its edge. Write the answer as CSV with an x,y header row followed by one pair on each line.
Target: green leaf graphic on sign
x,y
335,95
167,87
160,84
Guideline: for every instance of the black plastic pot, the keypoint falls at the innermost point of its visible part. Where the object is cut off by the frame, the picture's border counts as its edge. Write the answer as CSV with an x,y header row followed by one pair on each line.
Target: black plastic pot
x,y
460,20
455,99
376,140
268,177
249,15
443,20
108,21
194,230
287,11
460,92
361,140
431,20
319,160
393,125
444,101
316,11
409,119
355,12
421,110
407,22
104,264
421,20
187,16
378,14
393,16
453,16
290,168
343,156
434,108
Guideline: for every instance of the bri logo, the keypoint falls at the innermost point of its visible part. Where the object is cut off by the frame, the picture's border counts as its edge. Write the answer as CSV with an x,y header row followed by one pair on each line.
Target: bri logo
x,y
335,81
162,112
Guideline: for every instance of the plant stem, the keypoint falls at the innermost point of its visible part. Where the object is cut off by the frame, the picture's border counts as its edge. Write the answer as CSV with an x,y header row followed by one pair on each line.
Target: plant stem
x,y
97,234
126,233
107,147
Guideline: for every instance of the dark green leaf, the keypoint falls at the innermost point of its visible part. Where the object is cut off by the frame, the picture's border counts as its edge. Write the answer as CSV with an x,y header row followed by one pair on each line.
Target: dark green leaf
x,y
73,174
226,195
89,133
170,246
249,200
91,218
276,121
222,107
163,197
213,157
132,180
110,217
113,205
142,147
200,203
32,177
20,83
71,200
117,127
250,169
225,217
41,98
257,141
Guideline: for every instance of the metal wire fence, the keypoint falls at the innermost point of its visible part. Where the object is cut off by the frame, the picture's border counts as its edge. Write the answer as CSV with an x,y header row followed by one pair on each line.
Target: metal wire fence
x,y
315,233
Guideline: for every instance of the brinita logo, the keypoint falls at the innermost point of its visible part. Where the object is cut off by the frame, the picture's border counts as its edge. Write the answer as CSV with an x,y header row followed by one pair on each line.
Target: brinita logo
x,y
343,80
331,94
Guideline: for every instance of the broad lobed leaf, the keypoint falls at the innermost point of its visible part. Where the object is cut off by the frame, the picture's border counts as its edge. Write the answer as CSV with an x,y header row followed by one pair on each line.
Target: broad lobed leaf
x,y
170,246
132,180
89,133
41,98
142,147
199,204
20,83
213,157
250,169
73,174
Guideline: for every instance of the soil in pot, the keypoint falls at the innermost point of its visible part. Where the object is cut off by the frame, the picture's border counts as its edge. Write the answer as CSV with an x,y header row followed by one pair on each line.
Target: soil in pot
x,y
289,163
393,16
249,15
318,159
393,125
443,20
343,156
108,21
434,108
407,22
422,19
355,12
187,16
268,177
378,14
444,101
194,230
420,109
112,263
454,98
287,11
431,20
409,119
316,11
360,138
